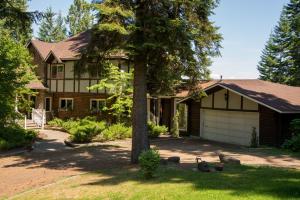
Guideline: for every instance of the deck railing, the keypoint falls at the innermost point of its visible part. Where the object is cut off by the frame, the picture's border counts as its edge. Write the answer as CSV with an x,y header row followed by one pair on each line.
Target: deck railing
x,y
39,117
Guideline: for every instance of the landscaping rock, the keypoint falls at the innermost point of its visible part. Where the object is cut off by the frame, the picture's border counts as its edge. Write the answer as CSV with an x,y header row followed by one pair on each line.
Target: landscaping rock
x,y
203,166
219,167
227,159
174,159
69,143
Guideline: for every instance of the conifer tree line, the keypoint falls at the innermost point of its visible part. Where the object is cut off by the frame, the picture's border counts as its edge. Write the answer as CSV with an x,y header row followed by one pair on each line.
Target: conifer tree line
x,y
280,60
54,27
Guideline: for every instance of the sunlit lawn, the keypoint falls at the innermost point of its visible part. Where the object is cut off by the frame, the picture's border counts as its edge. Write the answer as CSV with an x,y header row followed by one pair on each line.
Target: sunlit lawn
x,y
242,182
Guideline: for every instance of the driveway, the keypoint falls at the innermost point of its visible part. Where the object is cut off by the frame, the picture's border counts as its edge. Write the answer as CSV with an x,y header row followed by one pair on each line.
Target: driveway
x,y
52,161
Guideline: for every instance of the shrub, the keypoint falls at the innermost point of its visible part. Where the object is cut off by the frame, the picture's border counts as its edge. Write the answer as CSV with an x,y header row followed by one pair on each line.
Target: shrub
x,y
293,143
175,125
149,161
254,139
84,131
15,136
56,122
156,130
115,132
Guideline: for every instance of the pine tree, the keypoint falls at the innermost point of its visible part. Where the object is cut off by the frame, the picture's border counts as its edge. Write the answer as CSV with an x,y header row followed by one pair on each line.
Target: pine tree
x,y
79,17
46,30
280,60
60,30
165,39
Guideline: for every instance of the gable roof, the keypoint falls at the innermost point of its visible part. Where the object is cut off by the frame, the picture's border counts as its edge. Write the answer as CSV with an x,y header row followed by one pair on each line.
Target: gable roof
x,y
69,49
278,97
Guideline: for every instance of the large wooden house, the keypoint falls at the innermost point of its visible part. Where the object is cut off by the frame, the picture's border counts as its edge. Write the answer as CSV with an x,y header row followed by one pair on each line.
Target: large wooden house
x,y
63,93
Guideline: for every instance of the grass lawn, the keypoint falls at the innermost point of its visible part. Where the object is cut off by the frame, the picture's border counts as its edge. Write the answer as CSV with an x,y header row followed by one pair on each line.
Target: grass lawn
x,y
239,182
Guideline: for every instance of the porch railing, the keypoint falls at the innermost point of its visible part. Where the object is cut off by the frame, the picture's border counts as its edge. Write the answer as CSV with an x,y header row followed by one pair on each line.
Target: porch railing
x,y
39,117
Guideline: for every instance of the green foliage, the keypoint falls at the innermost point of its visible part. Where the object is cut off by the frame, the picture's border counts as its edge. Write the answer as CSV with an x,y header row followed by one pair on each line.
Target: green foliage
x,y
118,85
115,132
175,125
60,30
79,17
280,60
52,29
149,162
15,136
56,122
254,138
16,71
293,143
155,131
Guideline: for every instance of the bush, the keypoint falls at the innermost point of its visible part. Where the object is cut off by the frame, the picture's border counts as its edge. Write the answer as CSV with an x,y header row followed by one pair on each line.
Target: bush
x,y
293,143
56,122
156,130
254,138
175,126
149,161
115,132
85,131
15,136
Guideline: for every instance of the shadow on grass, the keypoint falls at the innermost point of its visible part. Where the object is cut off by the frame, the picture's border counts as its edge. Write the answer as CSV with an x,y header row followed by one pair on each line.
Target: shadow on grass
x,y
239,180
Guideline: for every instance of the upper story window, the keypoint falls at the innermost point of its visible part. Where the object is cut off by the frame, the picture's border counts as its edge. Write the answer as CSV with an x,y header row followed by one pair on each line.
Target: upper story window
x,y
57,71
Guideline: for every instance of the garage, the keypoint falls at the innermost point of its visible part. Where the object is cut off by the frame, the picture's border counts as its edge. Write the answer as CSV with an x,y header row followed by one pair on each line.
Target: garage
x,y
228,111
233,127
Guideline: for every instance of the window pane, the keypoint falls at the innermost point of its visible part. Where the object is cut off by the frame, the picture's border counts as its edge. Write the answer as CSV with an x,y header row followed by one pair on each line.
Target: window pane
x,y
54,71
60,68
93,105
69,104
63,104
101,104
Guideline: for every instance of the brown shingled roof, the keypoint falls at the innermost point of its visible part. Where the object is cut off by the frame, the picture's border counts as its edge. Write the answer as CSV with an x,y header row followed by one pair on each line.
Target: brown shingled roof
x,y
36,84
68,49
279,97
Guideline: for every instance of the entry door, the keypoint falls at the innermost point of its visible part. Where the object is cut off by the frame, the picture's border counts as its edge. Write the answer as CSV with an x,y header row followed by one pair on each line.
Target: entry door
x,y
232,127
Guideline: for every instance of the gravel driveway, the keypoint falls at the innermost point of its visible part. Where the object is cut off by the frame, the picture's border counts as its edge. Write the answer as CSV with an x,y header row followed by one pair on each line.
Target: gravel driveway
x,y
51,160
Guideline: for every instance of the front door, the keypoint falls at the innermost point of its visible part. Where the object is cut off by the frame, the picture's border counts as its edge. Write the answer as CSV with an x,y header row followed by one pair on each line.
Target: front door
x,y
165,113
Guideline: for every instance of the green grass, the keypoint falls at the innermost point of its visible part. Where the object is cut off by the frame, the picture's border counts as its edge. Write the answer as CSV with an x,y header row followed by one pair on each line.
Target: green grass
x,y
236,182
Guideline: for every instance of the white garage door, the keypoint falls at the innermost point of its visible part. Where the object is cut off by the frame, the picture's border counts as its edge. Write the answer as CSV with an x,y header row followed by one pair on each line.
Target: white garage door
x,y
232,127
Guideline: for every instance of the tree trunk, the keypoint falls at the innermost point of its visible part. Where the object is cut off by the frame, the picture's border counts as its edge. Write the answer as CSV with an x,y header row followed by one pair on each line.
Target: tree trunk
x,y
140,141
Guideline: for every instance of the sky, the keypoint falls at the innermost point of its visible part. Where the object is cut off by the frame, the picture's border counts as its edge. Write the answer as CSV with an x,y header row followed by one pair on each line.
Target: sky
x,y
244,24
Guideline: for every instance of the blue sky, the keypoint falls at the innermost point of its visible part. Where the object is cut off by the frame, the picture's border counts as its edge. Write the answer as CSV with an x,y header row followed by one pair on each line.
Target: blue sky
x,y
244,24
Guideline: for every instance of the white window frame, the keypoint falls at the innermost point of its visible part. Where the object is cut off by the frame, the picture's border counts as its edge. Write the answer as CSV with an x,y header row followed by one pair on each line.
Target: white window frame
x,y
97,100
50,104
59,75
65,109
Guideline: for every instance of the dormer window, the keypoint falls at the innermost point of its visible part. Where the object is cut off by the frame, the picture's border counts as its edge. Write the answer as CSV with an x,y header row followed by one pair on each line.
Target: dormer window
x,y
57,71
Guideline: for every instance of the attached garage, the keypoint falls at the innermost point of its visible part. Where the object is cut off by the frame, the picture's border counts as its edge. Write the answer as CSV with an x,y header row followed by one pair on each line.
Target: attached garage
x,y
232,110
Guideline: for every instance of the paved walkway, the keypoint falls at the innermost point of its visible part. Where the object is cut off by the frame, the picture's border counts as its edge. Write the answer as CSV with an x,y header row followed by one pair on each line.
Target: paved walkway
x,y
51,160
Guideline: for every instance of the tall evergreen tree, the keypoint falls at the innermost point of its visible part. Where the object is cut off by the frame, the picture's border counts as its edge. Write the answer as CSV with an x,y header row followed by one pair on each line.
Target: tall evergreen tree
x,y
79,17
60,30
46,30
165,39
280,60
17,19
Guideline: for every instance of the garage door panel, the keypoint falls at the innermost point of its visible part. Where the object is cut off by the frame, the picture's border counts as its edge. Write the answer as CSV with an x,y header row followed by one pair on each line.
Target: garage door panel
x,y
233,127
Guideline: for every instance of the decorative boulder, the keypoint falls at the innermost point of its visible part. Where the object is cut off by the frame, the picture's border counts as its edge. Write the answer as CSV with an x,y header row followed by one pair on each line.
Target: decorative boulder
x,y
227,159
203,166
69,143
174,159
219,167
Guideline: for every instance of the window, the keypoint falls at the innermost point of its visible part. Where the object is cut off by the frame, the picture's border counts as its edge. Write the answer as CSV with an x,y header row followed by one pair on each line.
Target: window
x,y
66,104
97,104
48,104
57,71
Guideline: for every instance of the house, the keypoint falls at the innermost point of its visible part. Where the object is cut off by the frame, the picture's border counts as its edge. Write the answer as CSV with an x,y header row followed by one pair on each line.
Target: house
x,y
63,93
233,110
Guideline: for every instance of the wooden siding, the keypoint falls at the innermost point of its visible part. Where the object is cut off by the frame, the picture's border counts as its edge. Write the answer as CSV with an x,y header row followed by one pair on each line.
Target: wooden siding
x,y
269,126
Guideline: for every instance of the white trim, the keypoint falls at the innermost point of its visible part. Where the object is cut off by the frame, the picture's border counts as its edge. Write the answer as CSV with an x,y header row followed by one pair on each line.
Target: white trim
x,y
60,109
50,104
